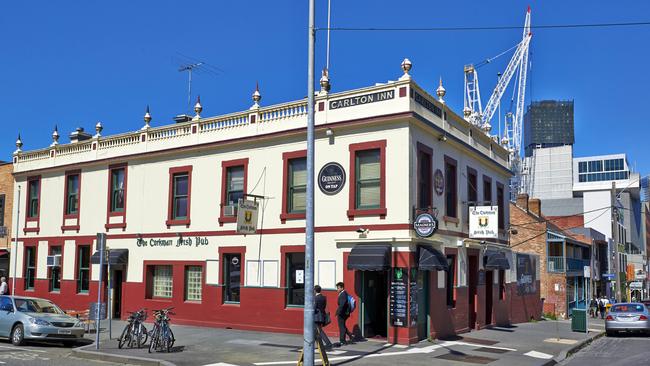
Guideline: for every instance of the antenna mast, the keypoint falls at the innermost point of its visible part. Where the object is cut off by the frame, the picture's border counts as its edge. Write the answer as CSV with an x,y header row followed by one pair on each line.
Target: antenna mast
x,y
189,68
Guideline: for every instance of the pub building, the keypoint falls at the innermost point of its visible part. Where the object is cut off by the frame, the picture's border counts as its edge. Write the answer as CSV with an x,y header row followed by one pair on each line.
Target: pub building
x,y
168,198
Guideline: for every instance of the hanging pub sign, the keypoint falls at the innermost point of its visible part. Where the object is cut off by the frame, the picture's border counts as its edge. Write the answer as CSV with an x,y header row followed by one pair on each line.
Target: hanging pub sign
x,y
247,216
484,222
438,182
425,225
331,178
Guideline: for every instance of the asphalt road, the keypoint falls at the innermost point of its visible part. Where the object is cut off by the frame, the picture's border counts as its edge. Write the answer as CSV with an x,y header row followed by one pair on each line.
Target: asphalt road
x,y
42,354
621,350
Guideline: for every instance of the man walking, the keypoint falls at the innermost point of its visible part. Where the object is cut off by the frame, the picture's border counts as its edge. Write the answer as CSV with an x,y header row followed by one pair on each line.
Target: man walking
x,y
321,316
601,307
4,288
342,313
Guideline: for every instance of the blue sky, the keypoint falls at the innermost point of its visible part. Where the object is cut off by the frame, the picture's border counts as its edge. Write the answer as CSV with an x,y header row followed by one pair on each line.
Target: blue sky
x,y
77,63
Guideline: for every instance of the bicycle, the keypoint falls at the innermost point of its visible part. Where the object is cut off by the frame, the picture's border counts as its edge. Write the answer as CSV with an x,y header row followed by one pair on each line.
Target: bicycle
x,y
134,332
162,337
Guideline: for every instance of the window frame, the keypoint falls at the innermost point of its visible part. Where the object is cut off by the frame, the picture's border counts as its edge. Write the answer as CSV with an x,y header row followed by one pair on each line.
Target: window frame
x,y
451,162
353,211
286,158
451,278
27,268
285,251
74,217
3,202
151,278
424,183
186,268
109,212
501,204
224,181
28,216
78,268
173,173
50,270
487,181
226,260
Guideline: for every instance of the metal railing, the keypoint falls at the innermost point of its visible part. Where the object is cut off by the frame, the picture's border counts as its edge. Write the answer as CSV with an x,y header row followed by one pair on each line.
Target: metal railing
x,y
555,264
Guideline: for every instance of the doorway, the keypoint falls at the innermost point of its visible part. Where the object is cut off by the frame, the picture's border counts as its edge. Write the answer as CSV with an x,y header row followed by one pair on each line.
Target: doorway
x,y
489,281
118,277
423,304
374,304
472,288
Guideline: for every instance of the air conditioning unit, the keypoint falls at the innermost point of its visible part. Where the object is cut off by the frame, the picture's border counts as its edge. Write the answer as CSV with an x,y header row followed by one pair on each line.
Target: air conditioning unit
x,y
54,260
230,210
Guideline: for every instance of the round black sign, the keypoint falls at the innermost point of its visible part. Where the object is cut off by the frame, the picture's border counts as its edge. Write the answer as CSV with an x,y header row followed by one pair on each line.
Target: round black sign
x,y
425,225
331,178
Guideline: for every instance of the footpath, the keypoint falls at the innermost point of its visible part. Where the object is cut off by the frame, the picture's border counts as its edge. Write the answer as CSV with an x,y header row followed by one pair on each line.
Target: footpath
x,y
542,343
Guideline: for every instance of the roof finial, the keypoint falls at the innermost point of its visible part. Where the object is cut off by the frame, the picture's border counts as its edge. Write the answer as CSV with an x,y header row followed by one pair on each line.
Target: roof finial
x,y
197,109
98,129
486,127
147,119
440,92
19,144
55,137
406,67
325,85
256,96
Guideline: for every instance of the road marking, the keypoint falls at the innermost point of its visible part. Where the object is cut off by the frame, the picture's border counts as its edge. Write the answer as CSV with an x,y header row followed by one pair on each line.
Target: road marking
x,y
561,340
220,364
535,354
24,349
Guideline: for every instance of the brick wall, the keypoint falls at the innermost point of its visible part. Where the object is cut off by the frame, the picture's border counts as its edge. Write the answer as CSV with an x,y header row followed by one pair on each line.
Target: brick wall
x,y
7,188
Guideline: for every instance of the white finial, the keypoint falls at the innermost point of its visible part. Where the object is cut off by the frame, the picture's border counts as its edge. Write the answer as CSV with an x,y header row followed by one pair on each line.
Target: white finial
x,y
440,92
197,109
55,137
19,145
147,119
256,97
486,127
98,129
504,140
325,85
406,67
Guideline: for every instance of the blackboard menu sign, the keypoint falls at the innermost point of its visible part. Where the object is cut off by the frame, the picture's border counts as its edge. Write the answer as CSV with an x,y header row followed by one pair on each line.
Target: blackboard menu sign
x,y
413,297
399,297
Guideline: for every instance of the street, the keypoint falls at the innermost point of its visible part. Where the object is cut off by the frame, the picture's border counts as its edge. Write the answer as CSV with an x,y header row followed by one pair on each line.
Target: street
x,y
626,349
42,354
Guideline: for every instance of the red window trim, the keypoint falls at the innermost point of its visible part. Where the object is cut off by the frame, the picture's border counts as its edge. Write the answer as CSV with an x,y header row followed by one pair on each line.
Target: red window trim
x,y
25,246
184,265
36,219
487,179
170,220
451,161
76,266
426,150
284,250
352,210
224,175
285,215
109,214
241,250
76,227
501,205
49,269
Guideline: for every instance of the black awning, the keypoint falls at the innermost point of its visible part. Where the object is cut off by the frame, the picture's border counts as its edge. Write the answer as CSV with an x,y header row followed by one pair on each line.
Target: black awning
x,y
115,257
430,259
495,260
370,258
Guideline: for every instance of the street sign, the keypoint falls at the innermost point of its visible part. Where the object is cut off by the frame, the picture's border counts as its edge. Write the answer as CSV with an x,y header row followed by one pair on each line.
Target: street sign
x,y
609,276
587,271
636,285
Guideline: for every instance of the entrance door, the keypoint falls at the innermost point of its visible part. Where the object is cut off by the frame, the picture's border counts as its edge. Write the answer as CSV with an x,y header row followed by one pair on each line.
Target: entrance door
x,y
423,304
489,281
472,285
374,311
118,277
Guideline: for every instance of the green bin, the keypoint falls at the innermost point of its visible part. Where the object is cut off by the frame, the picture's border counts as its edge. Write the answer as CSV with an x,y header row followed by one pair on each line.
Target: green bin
x,y
579,320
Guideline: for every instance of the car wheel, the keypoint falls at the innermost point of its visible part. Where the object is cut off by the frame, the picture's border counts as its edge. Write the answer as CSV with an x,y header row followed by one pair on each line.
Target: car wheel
x,y
18,335
610,333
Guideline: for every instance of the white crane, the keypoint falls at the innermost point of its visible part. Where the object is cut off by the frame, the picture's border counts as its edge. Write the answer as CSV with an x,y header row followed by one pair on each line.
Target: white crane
x,y
481,117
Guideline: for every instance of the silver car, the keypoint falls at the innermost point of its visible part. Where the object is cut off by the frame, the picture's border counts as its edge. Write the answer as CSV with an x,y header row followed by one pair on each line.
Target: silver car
x,y
30,318
627,317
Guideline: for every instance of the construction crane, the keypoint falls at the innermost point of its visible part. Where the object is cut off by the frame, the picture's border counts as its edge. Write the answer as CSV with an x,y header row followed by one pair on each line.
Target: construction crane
x,y
481,117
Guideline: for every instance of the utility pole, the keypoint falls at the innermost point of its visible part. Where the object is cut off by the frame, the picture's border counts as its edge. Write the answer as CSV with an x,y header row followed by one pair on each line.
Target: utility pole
x,y
614,210
308,331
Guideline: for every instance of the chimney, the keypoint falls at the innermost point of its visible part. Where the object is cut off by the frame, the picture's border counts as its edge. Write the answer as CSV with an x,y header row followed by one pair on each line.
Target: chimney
x,y
182,118
79,135
535,207
522,201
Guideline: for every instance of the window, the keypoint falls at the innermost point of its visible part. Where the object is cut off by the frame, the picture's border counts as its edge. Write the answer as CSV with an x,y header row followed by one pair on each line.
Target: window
x,y
295,279
55,272
582,167
368,183
2,210
233,186
232,277
193,280
501,205
472,195
450,188
180,198
502,284
33,197
297,185
368,180
30,267
83,269
162,282
425,198
72,194
451,280
118,189
487,190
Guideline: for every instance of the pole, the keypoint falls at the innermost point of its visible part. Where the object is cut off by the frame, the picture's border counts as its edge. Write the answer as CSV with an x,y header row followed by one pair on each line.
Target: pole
x,y
101,244
615,239
308,332
15,252
189,92
329,18
109,292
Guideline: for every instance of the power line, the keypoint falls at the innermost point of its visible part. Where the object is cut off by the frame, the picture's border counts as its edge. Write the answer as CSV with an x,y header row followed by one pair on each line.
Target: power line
x,y
508,27
559,218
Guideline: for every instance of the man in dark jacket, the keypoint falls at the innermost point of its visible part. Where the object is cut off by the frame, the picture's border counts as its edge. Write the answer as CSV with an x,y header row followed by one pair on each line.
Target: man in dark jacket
x,y
342,313
320,314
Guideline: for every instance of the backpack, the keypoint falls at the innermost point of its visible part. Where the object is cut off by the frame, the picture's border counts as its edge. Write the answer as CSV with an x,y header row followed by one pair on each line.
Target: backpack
x,y
352,303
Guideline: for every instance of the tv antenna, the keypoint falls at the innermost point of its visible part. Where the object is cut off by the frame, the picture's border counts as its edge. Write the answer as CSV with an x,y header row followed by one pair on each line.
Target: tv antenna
x,y
189,68
192,65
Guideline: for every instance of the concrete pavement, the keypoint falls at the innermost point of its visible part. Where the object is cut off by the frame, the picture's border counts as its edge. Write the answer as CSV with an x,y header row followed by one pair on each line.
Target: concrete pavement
x,y
534,344
620,350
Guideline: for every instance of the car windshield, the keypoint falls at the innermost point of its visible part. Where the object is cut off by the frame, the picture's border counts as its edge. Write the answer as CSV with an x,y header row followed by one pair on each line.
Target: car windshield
x,y
627,308
37,306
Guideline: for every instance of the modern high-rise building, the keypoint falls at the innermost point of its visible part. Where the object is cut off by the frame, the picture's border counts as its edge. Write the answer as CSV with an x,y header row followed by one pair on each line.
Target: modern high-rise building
x,y
548,123
645,189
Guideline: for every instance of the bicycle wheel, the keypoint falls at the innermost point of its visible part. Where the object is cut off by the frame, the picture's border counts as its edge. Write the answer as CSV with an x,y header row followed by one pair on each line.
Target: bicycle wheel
x,y
153,344
144,335
171,336
126,334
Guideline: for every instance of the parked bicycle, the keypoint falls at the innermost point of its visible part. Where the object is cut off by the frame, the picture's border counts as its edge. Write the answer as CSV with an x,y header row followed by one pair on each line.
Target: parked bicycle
x,y
162,337
134,333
